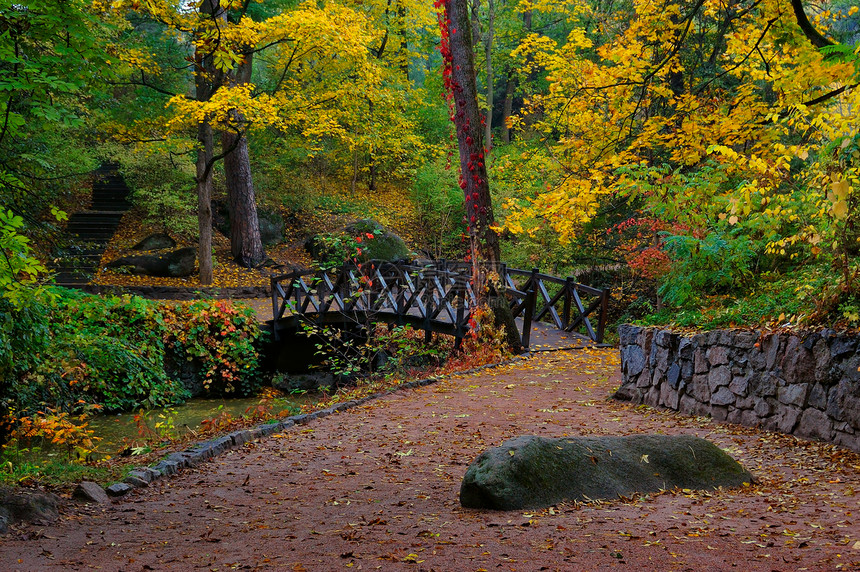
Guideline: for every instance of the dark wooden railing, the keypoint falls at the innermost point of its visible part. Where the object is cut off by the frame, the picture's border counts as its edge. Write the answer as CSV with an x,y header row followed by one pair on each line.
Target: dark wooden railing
x,y
436,297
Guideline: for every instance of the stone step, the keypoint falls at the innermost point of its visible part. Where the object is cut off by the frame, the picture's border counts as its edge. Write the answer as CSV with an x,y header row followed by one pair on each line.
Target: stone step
x,y
116,206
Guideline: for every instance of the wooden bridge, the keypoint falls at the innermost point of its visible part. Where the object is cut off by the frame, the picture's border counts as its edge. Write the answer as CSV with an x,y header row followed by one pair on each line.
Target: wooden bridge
x,y
436,297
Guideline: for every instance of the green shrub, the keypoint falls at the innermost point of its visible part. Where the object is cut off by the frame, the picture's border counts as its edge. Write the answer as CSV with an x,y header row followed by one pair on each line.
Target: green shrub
x,y
715,264
64,350
223,338
439,202
164,191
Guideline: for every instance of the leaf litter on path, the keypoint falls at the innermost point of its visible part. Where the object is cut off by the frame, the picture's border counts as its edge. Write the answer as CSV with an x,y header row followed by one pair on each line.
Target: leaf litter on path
x,y
375,487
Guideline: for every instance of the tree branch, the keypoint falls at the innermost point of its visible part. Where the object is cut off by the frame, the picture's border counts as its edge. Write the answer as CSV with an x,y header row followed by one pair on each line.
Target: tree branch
x,y
808,29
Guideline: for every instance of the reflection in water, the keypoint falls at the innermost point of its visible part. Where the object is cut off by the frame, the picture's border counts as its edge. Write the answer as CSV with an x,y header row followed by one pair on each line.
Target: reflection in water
x,y
119,430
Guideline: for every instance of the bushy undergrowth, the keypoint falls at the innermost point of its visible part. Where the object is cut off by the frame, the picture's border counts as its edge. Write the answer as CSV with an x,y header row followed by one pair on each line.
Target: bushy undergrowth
x,y
65,350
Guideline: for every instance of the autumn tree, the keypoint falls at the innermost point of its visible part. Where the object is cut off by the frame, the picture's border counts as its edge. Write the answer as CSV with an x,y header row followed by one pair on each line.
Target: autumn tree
x,y
721,118
300,47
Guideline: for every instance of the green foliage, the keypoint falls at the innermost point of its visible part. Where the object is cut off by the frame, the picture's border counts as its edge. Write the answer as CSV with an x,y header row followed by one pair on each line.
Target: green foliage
x,y
774,297
28,466
333,249
64,349
91,350
161,188
222,338
716,264
439,202
17,264
378,348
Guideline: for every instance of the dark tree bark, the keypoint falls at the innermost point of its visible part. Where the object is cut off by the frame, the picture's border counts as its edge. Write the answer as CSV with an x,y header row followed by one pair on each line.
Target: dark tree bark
x,y
245,243
808,29
460,77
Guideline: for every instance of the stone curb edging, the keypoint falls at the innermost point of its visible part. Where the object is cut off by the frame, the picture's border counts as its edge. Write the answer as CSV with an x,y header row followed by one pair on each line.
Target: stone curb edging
x,y
140,477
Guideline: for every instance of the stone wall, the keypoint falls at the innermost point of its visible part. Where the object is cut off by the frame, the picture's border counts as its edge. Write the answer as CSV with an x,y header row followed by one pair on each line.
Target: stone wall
x,y
806,385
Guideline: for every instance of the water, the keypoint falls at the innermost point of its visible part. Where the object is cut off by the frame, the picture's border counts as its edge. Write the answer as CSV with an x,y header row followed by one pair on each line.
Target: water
x,y
119,431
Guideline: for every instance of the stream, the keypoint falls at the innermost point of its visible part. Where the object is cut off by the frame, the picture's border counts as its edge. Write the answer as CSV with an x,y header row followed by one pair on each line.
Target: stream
x,y
119,431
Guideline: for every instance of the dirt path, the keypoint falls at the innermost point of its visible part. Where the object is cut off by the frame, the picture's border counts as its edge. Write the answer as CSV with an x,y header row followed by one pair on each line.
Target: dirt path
x,y
375,488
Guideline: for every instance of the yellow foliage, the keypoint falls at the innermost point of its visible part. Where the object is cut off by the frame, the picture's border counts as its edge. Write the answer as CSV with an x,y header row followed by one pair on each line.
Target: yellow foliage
x,y
635,113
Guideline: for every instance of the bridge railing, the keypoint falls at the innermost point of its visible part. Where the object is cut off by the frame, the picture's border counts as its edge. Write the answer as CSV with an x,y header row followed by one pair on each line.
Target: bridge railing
x,y
559,301
439,296
437,299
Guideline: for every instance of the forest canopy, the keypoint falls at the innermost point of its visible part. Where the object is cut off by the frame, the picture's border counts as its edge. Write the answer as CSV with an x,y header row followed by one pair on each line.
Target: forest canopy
x,y
709,147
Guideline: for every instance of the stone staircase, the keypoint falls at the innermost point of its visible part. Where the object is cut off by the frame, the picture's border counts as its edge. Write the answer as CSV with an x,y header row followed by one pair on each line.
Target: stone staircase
x,y
89,231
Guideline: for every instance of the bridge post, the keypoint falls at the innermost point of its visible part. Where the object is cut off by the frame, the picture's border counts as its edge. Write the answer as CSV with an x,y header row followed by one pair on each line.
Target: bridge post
x,y
604,309
273,283
568,294
528,314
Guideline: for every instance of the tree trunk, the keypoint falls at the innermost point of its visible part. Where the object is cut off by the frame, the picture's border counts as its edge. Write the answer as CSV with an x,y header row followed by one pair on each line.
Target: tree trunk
x,y
204,73
488,56
460,77
204,201
245,243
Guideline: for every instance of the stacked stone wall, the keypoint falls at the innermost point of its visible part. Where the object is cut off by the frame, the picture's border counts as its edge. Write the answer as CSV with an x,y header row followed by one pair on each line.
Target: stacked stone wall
x,y
803,384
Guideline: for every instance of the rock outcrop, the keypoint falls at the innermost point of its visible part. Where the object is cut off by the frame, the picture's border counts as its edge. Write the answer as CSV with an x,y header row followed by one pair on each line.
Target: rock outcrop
x,y
536,472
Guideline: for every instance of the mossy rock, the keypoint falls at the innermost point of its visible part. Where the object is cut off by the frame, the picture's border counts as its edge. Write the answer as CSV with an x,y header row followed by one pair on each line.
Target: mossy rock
x,y
537,472
385,245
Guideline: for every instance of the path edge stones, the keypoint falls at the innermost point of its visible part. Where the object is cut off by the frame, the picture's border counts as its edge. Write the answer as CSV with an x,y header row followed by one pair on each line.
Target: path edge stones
x,y
176,461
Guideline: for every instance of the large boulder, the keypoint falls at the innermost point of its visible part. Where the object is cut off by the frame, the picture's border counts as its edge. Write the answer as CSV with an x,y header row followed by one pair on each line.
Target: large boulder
x,y
17,505
157,241
173,264
271,226
376,243
536,472
270,221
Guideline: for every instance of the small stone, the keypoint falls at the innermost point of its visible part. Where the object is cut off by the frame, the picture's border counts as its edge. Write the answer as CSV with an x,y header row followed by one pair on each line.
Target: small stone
x,y
763,408
787,419
119,489
718,355
793,394
141,474
719,377
749,419
842,346
719,412
723,396
700,362
90,492
673,376
167,468
770,346
627,334
815,423
240,437
699,388
818,397
669,397
739,385
136,482
798,363
632,360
